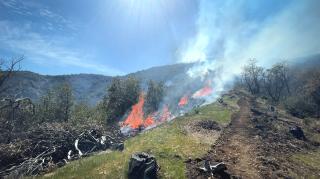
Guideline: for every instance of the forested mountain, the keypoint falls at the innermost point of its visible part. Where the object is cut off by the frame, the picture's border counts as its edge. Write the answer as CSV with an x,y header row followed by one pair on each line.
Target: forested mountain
x,y
89,88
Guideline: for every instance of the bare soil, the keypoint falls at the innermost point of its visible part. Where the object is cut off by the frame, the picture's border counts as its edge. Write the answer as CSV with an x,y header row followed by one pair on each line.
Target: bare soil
x,y
256,144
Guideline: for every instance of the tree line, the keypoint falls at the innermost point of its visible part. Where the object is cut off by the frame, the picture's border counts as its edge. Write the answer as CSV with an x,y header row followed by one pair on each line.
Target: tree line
x,y
298,89
58,104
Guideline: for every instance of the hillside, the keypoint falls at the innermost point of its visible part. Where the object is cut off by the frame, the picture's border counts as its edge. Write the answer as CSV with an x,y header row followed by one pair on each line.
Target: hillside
x,y
85,87
172,143
252,143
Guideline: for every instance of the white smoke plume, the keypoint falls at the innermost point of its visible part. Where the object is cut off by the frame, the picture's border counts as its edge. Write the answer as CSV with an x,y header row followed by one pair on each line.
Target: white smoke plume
x,y
226,39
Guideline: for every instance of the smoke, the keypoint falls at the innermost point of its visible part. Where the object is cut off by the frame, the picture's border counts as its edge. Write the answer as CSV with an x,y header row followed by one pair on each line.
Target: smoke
x,y
227,36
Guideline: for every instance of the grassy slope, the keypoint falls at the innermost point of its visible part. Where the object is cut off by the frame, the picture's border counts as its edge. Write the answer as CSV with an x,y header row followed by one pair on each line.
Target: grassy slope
x,y
170,143
309,160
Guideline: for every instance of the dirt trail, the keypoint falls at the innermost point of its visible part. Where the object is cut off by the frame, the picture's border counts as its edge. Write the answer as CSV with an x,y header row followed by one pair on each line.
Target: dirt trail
x,y
235,147
239,148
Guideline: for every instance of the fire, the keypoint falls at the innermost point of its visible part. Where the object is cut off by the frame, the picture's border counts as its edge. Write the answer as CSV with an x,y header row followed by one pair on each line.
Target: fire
x,y
135,118
149,121
205,91
165,115
183,101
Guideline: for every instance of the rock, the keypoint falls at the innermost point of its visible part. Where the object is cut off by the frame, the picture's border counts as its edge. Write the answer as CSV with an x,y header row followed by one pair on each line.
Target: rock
x,y
143,166
298,133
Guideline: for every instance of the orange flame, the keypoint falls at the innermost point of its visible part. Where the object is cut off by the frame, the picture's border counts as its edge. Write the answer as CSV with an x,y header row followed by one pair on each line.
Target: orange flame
x,y
205,91
165,115
149,121
135,118
183,101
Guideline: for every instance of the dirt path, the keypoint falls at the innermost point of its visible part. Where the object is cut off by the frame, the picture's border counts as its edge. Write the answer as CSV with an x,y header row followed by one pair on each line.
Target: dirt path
x,y
235,148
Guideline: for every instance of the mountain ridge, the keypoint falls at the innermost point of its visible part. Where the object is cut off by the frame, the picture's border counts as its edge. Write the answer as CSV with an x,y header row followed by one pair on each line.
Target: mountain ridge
x,y
88,88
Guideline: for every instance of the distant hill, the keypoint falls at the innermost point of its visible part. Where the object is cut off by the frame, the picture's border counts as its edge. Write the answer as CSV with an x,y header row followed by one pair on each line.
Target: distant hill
x,y
91,87
86,87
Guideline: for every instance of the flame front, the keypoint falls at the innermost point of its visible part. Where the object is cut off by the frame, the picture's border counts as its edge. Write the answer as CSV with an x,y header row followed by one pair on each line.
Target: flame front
x,y
135,118
149,121
205,91
183,101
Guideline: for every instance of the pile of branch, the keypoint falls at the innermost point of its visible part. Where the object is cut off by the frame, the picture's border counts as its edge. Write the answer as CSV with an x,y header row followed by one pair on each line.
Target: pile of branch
x,y
52,145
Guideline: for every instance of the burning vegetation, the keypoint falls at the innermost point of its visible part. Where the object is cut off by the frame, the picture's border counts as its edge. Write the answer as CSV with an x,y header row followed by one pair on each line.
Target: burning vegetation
x,y
139,119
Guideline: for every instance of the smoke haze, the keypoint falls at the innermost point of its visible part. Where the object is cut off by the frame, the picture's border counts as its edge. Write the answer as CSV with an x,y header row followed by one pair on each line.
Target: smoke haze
x,y
227,37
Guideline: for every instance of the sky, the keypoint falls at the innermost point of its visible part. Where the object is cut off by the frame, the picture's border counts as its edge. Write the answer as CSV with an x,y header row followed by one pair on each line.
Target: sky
x,y
116,37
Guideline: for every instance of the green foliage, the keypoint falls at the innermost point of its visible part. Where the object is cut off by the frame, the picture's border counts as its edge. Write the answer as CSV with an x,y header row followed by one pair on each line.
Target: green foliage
x,y
45,108
154,96
64,102
81,113
99,113
55,105
122,94
310,160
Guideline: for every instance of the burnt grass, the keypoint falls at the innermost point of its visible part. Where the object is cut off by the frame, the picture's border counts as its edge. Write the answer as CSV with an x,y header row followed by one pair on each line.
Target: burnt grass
x,y
257,144
208,125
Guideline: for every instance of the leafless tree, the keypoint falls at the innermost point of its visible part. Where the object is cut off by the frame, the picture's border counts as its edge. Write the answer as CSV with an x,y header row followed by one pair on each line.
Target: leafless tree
x,y
7,69
276,81
252,76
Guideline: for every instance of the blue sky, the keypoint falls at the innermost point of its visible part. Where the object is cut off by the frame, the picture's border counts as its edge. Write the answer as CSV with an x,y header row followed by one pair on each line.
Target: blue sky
x,y
117,37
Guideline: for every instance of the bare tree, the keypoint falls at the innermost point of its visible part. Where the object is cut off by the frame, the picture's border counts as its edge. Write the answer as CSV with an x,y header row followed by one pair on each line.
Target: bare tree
x,y
7,68
252,76
276,81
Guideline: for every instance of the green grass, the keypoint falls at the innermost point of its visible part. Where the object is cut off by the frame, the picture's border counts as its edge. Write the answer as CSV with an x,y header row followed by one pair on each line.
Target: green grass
x,y
170,144
309,162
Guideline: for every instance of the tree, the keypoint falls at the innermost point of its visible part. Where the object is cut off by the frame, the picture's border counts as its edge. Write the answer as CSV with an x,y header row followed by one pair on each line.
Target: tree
x,y
45,109
252,76
276,81
63,102
121,95
55,105
132,91
154,96
7,69
81,113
